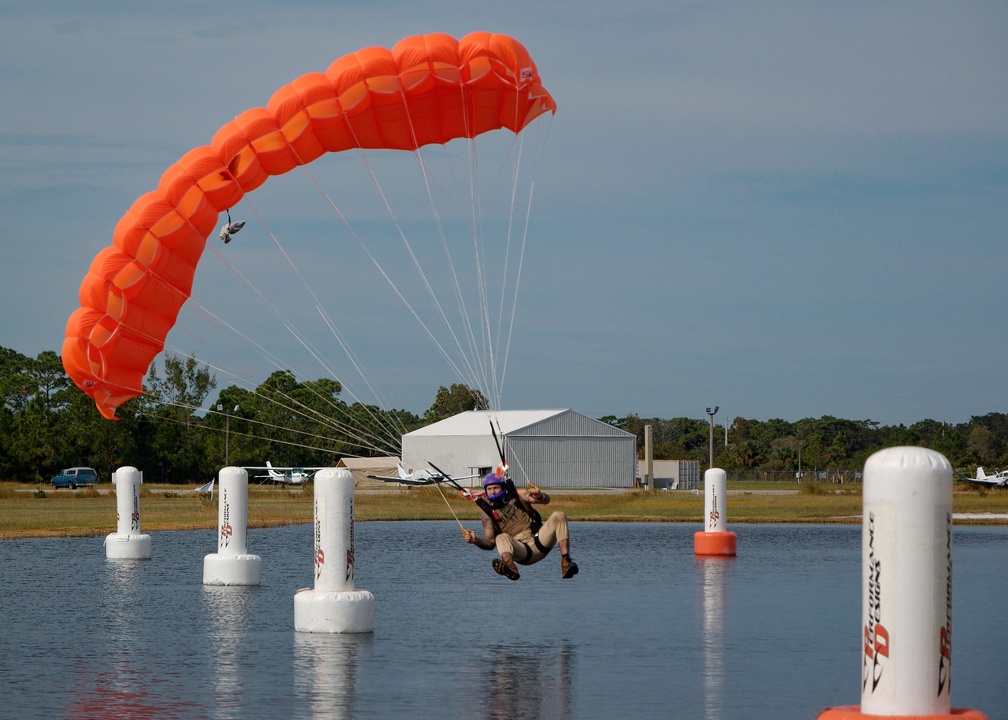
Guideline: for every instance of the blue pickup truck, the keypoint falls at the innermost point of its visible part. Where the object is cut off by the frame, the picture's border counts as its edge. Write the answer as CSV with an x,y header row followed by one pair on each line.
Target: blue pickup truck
x,y
75,477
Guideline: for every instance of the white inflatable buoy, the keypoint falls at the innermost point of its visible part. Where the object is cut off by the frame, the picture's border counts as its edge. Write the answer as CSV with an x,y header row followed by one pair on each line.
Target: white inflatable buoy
x,y
232,564
334,605
128,542
715,539
906,593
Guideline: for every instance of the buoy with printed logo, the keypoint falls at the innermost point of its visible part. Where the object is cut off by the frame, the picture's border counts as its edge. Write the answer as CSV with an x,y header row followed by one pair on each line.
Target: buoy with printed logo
x,y
334,605
906,594
127,542
715,539
232,564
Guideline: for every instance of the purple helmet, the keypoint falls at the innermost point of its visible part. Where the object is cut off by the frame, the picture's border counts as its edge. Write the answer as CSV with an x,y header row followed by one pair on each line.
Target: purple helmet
x,y
494,479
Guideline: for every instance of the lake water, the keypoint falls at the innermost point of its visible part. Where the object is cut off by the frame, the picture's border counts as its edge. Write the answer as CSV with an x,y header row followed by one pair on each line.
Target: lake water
x,y
646,630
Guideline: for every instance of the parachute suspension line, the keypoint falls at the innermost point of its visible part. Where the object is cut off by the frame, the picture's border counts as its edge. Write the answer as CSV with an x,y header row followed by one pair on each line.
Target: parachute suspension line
x,y
537,158
485,354
413,257
504,279
369,440
381,270
465,359
291,328
322,312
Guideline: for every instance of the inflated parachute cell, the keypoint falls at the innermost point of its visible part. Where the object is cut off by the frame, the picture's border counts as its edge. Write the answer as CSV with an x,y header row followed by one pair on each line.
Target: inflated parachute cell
x,y
427,89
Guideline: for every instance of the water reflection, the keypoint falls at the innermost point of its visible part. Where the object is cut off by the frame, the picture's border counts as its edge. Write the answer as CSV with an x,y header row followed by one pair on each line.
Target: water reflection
x,y
229,611
714,573
114,678
325,672
526,681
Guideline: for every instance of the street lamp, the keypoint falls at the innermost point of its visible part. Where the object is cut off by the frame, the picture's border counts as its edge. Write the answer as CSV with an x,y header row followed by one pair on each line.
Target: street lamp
x,y
227,434
712,413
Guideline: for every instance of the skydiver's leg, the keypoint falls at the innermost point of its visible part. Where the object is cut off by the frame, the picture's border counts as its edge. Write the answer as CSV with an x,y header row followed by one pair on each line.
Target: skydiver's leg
x,y
510,549
507,547
554,530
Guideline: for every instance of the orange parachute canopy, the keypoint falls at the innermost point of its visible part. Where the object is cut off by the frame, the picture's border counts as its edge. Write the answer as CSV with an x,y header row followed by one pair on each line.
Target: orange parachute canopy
x,y
427,89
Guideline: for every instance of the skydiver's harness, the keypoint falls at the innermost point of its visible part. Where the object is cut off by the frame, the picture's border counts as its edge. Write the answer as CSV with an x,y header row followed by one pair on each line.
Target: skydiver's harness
x,y
490,509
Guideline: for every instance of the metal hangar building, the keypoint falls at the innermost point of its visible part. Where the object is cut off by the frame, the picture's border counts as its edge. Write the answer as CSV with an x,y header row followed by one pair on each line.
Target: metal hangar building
x,y
553,448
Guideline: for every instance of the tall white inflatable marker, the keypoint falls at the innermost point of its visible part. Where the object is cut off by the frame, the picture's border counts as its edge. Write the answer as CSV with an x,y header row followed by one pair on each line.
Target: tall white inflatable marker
x,y
334,605
232,564
906,593
715,539
127,542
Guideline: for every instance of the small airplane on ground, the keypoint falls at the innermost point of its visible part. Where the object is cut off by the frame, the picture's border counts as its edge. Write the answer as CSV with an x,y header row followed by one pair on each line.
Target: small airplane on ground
x,y
997,480
417,477
285,475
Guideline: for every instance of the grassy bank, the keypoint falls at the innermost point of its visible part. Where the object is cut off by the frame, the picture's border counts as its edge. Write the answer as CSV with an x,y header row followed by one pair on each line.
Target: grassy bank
x,y
44,512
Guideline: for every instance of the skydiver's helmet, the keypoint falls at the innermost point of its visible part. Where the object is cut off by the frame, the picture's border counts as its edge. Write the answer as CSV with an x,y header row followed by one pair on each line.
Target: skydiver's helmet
x,y
494,479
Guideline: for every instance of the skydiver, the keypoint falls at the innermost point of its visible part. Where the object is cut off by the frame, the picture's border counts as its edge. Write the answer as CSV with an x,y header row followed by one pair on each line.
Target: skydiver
x,y
514,527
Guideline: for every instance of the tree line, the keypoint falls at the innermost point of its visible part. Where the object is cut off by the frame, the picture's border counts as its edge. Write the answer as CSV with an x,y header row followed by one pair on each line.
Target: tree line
x,y
174,435
779,446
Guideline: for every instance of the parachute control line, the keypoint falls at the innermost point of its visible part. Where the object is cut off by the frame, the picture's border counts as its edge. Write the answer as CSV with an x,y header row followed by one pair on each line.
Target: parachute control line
x,y
127,542
715,539
232,564
334,605
906,593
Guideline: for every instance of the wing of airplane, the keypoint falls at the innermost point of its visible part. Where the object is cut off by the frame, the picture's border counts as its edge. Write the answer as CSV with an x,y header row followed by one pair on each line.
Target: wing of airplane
x,y
417,477
294,475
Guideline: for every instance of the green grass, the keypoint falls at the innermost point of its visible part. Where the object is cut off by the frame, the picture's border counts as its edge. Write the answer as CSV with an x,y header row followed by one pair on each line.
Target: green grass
x,y
40,511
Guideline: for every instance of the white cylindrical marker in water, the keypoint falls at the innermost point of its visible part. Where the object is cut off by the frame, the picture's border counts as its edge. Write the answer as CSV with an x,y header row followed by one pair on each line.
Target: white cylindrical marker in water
x,y
715,493
334,605
128,542
715,538
906,597
232,564
906,593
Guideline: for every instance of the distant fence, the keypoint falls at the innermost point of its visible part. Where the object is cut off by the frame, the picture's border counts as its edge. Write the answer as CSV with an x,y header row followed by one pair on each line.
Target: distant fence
x,y
834,475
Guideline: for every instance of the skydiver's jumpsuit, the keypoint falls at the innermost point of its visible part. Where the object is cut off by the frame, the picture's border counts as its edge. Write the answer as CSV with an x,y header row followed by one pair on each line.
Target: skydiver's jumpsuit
x,y
514,531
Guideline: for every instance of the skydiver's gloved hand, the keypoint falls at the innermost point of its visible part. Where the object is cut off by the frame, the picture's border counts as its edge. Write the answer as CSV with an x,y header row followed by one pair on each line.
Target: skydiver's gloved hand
x,y
535,495
468,535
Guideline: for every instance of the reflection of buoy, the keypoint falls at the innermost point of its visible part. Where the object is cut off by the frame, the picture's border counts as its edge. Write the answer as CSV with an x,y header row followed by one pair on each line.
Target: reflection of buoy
x,y
334,606
906,595
715,539
232,564
127,542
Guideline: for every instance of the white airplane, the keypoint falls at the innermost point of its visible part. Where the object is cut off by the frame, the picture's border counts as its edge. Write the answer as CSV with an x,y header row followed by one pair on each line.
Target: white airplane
x,y
417,477
285,475
997,480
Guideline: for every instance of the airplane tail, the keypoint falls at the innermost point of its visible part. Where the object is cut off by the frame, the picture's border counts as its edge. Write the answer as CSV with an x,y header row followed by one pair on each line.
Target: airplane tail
x,y
274,475
402,472
981,475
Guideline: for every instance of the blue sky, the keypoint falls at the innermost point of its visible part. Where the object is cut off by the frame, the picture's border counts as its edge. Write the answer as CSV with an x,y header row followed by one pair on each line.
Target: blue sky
x,y
788,210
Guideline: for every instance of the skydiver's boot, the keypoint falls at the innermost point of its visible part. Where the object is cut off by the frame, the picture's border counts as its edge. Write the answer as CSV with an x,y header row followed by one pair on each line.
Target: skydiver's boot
x,y
568,568
506,568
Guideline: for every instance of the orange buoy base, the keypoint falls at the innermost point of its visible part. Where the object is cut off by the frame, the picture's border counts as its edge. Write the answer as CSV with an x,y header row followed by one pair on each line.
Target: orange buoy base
x,y
853,712
722,544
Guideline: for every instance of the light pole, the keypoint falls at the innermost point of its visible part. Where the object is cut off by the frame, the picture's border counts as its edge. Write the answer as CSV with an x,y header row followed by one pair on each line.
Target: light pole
x,y
712,413
227,434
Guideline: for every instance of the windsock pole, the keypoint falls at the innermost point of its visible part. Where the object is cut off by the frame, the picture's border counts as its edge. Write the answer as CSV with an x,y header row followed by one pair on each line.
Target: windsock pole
x,y
715,539
906,594
232,564
334,605
127,542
